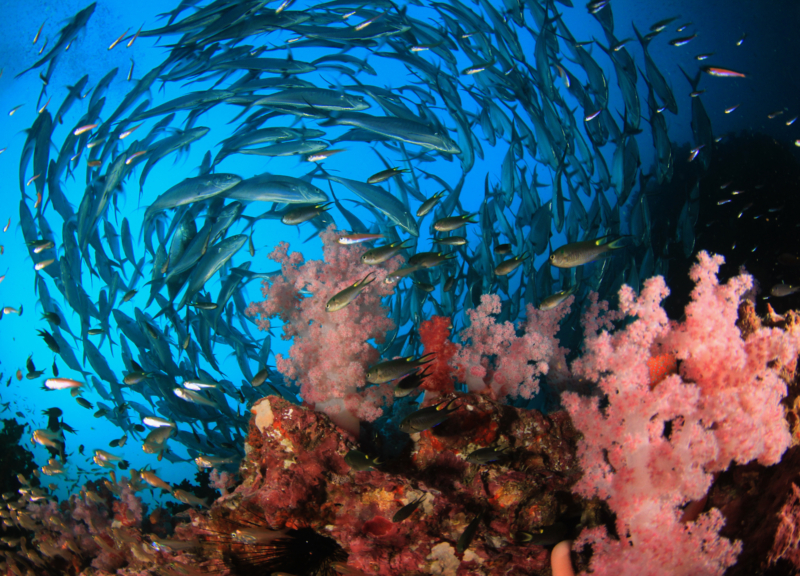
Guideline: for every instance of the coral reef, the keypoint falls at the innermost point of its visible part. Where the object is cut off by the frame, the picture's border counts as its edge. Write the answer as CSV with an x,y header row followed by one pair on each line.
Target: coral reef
x,y
678,463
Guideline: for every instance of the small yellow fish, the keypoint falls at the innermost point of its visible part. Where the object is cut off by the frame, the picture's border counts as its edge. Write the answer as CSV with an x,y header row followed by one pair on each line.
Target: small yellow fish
x,y
135,36
118,40
36,38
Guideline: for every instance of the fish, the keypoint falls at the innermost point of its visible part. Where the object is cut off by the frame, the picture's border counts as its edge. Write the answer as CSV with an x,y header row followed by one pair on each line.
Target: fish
x,y
118,40
259,378
393,369
214,259
682,41
384,175
506,267
188,498
486,455
62,384
194,397
426,418
49,341
579,253
430,259
554,300
39,32
135,36
360,462
275,188
429,204
782,290
188,191
468,534
323,154
85,128
596,6
410,383
407,510
654,76
451,223
197,386
151,478
543,536
387,204
662,24
450,241
722,72
297,216
84,403
401,129
204,461
347,295
315,98
358,238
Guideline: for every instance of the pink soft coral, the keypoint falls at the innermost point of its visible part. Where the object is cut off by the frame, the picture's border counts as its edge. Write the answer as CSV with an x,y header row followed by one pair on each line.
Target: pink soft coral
x,y
330,351
651,451
518,361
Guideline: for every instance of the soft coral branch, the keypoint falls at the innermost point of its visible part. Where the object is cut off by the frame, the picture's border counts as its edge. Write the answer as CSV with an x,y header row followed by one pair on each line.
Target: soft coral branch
x,y
330,351
494,360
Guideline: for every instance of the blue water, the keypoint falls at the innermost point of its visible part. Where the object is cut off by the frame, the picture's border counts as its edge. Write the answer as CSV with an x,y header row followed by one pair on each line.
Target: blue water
x,y
768,55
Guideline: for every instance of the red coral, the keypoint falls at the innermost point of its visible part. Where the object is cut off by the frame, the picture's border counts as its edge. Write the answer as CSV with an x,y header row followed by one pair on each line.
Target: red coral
x,y
435,337
378,526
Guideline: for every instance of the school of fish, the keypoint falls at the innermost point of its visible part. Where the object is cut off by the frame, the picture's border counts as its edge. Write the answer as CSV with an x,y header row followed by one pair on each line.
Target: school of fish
x,y
476,81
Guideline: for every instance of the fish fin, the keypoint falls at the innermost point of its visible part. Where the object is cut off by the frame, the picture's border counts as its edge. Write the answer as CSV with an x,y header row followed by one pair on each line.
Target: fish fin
x,y
693,82
620,243
643,41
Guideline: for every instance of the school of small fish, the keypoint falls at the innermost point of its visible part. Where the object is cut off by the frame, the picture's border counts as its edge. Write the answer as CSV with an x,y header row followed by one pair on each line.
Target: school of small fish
x,y
469,82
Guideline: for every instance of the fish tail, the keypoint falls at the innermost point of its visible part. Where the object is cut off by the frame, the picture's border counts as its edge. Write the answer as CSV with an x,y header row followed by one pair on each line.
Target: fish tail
x,y
164,310
620,243
643,41
367,280
693,82
426,359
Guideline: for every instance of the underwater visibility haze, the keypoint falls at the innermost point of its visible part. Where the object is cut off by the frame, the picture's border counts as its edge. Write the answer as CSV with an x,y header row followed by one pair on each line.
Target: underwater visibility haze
x,y
491,287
